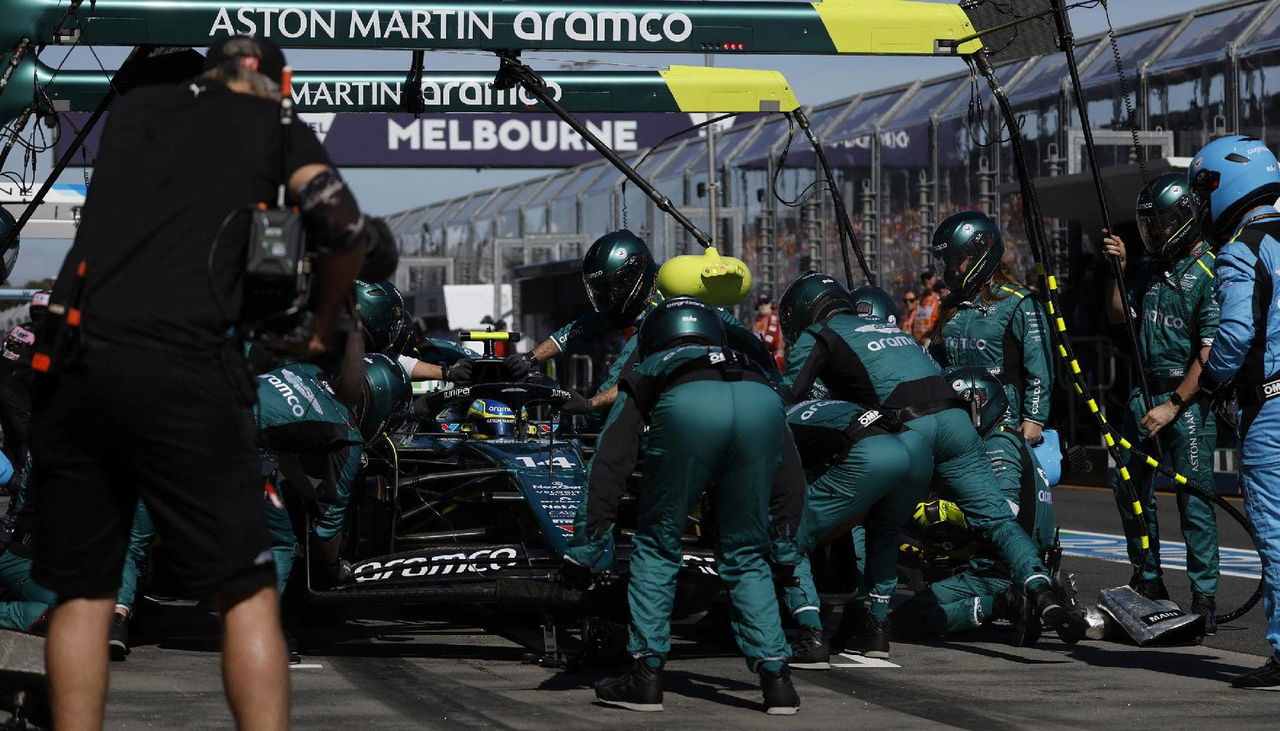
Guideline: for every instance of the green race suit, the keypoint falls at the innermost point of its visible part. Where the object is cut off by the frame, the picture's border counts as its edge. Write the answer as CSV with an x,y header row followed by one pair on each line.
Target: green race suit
x,y
966,600
787,499
1178,316
443,353
27,600
874,364
712,417
577,334
299,417
1010,338
856,465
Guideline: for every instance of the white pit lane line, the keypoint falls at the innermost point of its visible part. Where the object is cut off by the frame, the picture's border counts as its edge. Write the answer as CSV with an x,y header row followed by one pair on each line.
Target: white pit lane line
x,y
862,662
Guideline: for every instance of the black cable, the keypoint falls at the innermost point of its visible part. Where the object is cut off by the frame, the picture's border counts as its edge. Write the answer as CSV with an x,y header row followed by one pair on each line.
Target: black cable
x,y
1035,233
848,237
512,72
654,148
806,193
1066,41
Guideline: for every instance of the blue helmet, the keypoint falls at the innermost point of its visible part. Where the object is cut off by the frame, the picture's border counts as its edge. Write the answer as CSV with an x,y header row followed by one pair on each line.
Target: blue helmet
x,y
1228,177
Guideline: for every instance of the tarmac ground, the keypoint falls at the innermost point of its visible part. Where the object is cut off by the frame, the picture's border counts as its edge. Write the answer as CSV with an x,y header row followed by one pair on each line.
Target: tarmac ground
x,y
426,670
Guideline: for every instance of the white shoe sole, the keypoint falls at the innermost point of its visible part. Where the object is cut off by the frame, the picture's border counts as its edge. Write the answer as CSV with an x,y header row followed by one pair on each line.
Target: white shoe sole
x,y
642,707
783,711
810,665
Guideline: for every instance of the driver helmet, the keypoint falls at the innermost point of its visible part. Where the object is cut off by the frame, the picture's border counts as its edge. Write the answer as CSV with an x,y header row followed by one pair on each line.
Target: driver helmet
x,y
968,237
619,274
1167,217
381,314
488,418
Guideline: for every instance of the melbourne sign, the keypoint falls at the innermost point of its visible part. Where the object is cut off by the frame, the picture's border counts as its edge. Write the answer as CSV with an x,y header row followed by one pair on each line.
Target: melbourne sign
x,y
458,139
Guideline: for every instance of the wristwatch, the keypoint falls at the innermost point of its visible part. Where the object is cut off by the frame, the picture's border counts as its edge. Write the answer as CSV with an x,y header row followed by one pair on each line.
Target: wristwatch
x,y
1177,400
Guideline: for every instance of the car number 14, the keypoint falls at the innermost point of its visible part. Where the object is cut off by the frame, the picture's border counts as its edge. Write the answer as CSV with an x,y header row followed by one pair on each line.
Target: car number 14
x,y
554,462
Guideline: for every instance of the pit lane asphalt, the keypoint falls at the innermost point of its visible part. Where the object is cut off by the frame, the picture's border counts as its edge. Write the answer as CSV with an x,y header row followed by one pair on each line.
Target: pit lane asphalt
x,y
436,671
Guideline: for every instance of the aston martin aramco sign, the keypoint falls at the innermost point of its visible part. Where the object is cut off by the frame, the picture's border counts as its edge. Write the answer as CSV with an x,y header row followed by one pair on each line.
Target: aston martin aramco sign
x,y
462,140
445,24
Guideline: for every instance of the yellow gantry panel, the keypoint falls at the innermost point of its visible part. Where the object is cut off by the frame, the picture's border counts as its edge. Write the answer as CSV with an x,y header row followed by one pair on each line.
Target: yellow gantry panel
x,y
895,27
700,88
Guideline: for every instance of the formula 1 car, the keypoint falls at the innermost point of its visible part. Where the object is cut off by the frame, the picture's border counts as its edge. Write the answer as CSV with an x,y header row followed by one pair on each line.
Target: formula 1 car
x,y
471,499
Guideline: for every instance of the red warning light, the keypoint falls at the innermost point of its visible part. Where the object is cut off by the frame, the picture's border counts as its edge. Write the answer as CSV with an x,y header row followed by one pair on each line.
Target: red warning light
x,y
733,46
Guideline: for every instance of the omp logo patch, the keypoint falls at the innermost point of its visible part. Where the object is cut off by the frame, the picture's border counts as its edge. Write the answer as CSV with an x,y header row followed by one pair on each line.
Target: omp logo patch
x,y
869,417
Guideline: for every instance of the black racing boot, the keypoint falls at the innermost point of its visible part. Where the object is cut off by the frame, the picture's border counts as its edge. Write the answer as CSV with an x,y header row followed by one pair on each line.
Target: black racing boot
x,y
873,640
851,620
1206,606
1152,589
780,697
809,651
1014,606
1266,677
1054,614
118,644
291,646
639,690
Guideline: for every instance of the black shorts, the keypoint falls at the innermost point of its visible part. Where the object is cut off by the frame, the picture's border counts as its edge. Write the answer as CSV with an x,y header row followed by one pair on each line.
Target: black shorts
x,y
169,428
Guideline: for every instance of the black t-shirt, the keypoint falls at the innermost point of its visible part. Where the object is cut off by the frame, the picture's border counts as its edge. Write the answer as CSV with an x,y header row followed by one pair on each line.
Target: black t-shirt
x,y
174,162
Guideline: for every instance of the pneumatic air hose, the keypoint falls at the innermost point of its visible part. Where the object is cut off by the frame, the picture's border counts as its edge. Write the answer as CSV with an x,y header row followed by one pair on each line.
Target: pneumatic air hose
x,y
1115,442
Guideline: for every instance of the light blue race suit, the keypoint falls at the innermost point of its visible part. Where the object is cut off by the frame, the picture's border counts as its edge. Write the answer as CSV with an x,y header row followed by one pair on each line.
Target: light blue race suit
x,y
1247,350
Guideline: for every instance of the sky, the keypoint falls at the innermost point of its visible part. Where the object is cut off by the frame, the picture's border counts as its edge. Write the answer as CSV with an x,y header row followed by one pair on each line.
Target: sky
x,y
815,79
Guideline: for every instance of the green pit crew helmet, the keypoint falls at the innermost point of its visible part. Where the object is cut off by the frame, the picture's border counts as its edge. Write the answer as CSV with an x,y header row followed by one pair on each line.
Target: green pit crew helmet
x,y
404,342
985,395
381,314
619,274
1167,217
384,389
678,321
810,299
967,236
875,303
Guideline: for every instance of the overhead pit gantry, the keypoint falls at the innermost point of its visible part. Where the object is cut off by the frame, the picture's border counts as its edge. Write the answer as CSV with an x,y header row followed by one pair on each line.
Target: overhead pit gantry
x,y
828,27
691,89
875,27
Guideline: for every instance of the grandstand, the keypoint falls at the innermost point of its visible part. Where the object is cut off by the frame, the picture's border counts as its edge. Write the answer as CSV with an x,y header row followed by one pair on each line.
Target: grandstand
x,y
905,157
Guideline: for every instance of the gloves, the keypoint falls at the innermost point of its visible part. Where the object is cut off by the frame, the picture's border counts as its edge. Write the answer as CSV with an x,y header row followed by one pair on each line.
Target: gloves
x,y
520,365
576,576
459,372
1217,394
577,404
